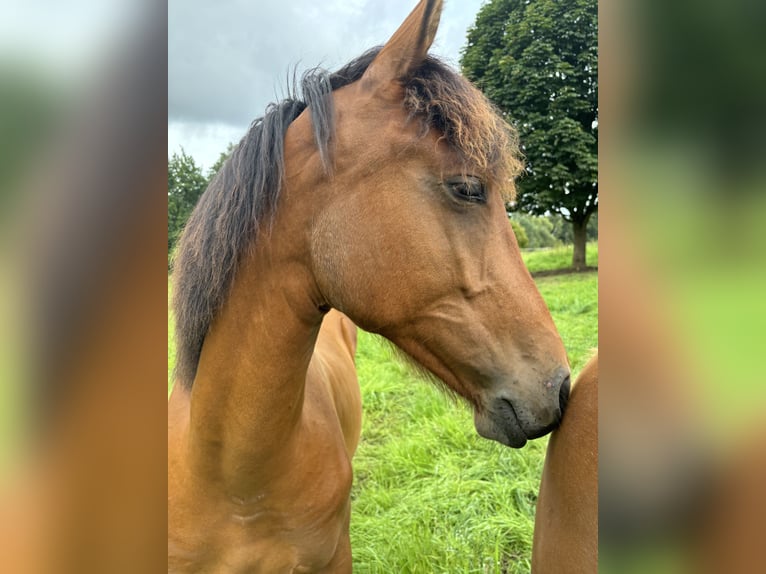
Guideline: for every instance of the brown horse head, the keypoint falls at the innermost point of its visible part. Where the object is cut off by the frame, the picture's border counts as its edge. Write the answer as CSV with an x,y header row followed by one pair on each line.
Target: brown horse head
x,y
386,189
412,240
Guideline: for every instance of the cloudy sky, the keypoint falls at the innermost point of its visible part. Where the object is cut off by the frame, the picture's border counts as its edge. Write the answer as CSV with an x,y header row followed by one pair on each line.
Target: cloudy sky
x,y
228,59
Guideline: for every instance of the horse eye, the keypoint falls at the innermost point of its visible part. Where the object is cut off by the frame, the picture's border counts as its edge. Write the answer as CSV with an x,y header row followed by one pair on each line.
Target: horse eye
x,y
469,189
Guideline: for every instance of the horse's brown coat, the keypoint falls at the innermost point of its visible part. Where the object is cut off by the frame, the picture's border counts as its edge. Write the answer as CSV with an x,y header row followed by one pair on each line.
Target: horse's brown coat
x,y
566,521
261,508
260,445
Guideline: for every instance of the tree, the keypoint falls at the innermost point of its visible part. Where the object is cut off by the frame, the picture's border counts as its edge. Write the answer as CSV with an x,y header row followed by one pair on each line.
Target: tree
x,y
562,230
539,230
537,60
185,185
220,161
520,233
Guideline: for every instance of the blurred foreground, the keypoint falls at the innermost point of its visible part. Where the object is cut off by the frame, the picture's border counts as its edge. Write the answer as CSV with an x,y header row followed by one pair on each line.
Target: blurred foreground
x,y
83,294
83,274
683,277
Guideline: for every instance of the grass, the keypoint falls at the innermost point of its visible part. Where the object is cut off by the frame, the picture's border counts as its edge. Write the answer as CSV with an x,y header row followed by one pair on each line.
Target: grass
x,y
429,494
573,302
558,257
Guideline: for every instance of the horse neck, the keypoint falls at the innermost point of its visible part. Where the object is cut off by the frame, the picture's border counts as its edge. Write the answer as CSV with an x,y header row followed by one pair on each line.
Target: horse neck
x,y
247,397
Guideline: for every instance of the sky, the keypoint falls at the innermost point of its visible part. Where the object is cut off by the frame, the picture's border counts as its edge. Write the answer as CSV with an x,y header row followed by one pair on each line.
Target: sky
x,y
228,60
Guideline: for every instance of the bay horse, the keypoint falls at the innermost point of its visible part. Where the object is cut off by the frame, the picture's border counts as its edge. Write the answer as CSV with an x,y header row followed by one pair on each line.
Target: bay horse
x,y
566,519
377,201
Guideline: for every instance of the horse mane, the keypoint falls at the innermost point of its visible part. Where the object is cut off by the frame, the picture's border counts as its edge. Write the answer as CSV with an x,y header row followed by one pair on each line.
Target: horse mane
x,y
244,193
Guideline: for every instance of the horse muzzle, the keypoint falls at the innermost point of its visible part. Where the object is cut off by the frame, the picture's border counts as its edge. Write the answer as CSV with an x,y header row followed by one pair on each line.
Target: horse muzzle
x,y
513,421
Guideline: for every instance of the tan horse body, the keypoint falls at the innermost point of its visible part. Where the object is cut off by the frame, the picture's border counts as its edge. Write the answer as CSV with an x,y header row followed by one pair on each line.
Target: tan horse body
x,y
292,508
407,236
566,521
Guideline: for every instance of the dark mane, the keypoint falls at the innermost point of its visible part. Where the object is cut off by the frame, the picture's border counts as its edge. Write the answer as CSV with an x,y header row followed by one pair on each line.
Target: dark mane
x,y
244,193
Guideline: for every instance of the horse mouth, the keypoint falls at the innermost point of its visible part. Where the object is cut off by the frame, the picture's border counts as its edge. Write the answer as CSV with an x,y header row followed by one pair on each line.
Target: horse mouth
x,y
500,424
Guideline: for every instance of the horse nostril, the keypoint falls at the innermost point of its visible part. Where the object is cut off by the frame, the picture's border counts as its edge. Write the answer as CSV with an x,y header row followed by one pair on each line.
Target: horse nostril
x,y
564,394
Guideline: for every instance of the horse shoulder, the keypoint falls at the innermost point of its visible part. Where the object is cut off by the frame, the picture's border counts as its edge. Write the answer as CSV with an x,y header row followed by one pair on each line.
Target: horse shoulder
x,y
299,523
566,521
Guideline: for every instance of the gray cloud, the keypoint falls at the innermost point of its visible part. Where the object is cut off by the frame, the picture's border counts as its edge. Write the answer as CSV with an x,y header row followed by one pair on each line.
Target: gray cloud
x,y
227,60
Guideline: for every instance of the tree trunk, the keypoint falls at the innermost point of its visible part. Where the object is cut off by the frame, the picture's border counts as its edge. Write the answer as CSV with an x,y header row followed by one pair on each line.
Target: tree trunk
x,y
580,239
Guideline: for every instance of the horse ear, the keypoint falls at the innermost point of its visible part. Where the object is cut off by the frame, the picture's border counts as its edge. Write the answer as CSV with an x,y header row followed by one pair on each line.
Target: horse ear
x,y
407,48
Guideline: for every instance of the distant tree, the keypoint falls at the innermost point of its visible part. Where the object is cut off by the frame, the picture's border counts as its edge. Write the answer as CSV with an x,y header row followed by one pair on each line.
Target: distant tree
x,y
539,230
185,185
591,231
562,229
220,161
538,62
520,233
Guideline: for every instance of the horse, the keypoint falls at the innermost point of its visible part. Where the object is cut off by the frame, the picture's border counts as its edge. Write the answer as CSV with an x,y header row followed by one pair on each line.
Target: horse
x,y
375,201
566,519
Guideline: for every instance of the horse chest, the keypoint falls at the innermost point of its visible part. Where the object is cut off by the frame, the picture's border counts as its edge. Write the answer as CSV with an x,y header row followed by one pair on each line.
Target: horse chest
x,y
297,523
303,535
283,546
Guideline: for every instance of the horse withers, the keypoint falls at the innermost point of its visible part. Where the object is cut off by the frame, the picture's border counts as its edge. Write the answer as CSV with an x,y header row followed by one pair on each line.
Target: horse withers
x,y
377,199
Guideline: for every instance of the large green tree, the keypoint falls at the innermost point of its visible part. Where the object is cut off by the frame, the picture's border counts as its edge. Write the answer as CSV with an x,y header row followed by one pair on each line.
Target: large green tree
x,y
185,185
537,60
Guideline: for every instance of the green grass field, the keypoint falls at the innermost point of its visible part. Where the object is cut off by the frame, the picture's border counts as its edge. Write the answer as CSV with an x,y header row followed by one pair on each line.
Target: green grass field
x,y
430,495
558,257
